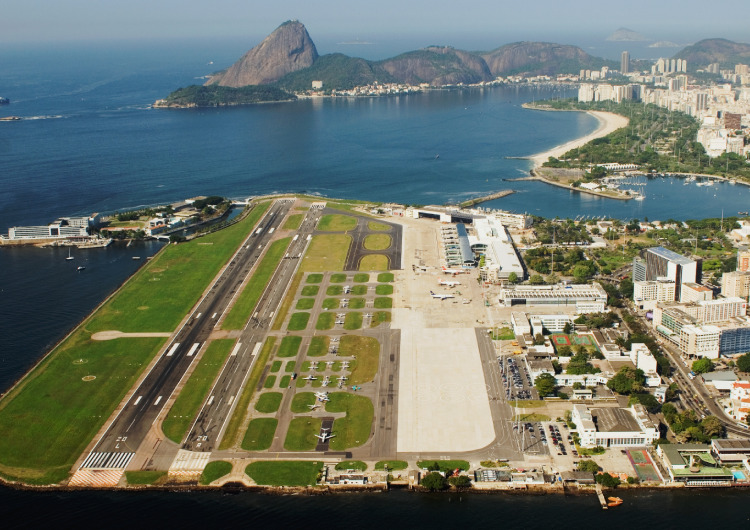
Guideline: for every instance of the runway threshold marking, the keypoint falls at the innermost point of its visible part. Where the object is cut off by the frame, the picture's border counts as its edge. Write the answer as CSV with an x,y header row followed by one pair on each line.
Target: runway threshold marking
x,y
236,349
256,349
137,400
157,400
193,349
173,349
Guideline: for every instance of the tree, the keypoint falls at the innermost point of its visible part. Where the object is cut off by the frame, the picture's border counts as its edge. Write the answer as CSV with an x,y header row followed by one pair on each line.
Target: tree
x,y
512,277
702,365
588,465
743,362
538,339
461,481
434,481
536,279
712,427
647,400
607,480
627,380
545,384
568,328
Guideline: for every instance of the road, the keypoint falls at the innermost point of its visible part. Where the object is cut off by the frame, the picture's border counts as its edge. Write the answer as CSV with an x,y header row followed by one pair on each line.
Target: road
x,y
221,401
131,425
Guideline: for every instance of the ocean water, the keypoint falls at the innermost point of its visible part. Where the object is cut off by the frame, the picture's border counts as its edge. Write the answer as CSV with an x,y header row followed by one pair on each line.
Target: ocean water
x,y
89,142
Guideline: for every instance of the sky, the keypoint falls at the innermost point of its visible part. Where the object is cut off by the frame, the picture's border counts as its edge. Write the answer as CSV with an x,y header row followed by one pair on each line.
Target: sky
x,y
482,24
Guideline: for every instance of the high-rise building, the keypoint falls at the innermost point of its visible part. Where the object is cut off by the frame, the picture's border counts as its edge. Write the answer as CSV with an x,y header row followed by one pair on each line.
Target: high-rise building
x,y
625,63
663,264
743,260
735,283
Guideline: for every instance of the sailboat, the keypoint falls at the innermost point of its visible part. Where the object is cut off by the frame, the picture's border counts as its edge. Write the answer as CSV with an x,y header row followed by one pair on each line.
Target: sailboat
x,y
69,256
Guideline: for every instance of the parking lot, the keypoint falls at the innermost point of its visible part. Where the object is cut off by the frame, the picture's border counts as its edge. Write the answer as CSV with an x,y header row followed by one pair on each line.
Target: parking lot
x,y
516,379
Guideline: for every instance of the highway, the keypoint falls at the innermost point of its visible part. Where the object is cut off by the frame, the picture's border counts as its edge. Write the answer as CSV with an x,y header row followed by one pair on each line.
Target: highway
x,y
209,426
132,423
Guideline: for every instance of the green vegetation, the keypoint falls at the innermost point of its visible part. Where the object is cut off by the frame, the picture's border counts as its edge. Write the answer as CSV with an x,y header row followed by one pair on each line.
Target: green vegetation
x,y
318,346
269,402
688,427
377,242
275,366
383,303
504,333
336,223
270,381
356,303
331,303
379,317
384,290
588,465
293,222
373,262
219,96
627,380
545,384
579,364
305,304
310,290
356,465
334,290
385,277
289,368
647,400
214,471
366,353
194,392
143,478
325,321
743,363
434,481
248,299
301,434
443,465
531,417
302,401
338,278
314,278
361,277
359,290
393,465
233,427
289,346
352,430
702,366
607,480
298,322
378,227
284,473
337,71
327,252
284,383
259,434
353,321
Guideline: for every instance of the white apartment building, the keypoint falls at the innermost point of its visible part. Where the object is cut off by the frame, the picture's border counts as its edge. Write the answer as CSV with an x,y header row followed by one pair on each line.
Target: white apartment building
x,y
695,292
700,341
735,284
653,291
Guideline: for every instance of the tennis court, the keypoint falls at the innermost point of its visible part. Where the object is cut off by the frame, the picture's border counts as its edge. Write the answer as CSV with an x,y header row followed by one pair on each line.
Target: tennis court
x,y
643,466
561,339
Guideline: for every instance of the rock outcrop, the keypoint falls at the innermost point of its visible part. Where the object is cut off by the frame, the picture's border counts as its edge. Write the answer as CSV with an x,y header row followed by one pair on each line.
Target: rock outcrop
x,y
288,49
438,66
536,58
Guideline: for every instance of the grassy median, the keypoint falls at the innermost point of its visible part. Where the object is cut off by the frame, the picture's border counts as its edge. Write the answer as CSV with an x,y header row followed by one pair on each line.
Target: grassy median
x,y
352,430
284,473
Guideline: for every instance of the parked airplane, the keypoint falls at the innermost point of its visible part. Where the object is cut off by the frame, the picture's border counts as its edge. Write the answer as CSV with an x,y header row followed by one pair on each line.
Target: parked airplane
x,y
448,283
441,296
310,378
313,407
453,271
324,436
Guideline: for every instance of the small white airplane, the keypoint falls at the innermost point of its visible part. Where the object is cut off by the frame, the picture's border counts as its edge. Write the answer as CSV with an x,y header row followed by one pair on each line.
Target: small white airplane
x,y
453,271
448,283
343,378
310,378
345,364
313,407
324,436
329,363
441,296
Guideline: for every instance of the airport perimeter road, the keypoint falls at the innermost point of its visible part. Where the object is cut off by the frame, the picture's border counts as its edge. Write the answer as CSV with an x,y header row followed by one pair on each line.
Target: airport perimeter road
x,y
131,425
217,409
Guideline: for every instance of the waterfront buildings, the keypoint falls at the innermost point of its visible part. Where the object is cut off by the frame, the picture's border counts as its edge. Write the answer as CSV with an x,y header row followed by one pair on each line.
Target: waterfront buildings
x,y
614,427
492,240
693,465
62,228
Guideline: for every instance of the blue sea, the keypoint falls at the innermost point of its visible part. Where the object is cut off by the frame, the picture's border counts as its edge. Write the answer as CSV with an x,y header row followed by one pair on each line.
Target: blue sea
x,y
89,142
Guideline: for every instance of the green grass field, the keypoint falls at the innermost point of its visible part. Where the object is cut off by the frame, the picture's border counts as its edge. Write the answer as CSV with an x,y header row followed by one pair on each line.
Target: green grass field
x,y
336,223
289,346
445,465
384,290
259,434
310,290
269,402
373,262
377,242
284,383
247,300
327,252
315,278
305,304
357,303
383,303
338,278
275,366
531,417
144,478
352,430
353,321
331,303
214,471
301,401
366,351
385,277
299,321
361,277
233,427
379,317
293,222
378,227
393,465
284,473
270,381
192,395
301,434
356,465
325,321
359,290
289,368
318,346
334,290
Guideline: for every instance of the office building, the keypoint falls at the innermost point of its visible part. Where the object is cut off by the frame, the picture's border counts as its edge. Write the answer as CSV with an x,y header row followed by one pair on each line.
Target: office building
x,y
625,63
663,264
586,298
743,260
695,292
735,284
614,427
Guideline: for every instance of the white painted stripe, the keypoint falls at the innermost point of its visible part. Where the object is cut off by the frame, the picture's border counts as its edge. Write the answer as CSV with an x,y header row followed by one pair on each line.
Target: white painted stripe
x,y
258,231
309,237
157,400
295,237
236,349
231,400
257,348
193,349
198,315
214,315
137,400
271,231
270,315
210,400
173,349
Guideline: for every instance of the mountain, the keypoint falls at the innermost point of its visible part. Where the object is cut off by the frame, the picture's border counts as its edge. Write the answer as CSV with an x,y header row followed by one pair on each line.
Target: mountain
x,y
336,70
627,35
722,51
437,65
540,58
288,49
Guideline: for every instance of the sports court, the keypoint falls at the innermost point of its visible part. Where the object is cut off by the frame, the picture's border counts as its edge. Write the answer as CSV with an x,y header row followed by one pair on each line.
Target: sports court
x,y
643,466
561,339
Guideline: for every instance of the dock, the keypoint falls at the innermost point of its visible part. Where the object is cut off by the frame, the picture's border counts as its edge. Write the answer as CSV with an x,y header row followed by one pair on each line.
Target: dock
x,y
491,197
600,494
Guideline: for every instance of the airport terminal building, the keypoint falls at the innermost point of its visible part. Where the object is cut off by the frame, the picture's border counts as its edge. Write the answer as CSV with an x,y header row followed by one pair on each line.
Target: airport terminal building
x,y
586,298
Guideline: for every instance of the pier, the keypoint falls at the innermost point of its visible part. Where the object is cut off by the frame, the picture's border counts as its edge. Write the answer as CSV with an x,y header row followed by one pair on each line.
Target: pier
x,y
600,494
491,197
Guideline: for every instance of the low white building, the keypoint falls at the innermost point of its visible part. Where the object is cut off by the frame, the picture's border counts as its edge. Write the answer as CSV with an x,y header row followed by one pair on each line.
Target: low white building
x,y
614,427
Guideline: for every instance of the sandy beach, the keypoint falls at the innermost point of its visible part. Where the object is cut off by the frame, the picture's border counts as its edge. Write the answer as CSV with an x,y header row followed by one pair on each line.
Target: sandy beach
x,y
608,123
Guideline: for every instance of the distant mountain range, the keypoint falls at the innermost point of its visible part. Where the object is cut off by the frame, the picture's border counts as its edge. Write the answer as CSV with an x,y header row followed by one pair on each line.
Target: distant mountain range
x,y
722,51
288,58
627,35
